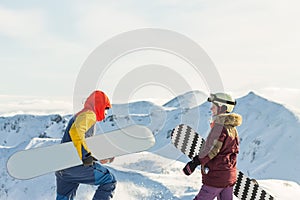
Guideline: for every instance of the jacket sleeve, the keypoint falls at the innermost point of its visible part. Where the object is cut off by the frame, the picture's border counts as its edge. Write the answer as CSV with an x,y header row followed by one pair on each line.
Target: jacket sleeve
x,y
81,125
215,149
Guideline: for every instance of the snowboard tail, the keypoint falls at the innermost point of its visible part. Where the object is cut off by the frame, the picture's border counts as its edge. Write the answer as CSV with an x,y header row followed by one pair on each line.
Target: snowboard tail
x,y
190,142
35,162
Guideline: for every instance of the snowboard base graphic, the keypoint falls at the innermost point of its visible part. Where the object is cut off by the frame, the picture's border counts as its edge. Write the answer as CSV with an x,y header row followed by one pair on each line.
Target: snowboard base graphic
x,y
35,162
190,142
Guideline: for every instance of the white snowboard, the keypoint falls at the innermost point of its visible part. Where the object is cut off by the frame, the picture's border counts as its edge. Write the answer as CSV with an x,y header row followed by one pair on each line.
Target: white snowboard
x,y
34,162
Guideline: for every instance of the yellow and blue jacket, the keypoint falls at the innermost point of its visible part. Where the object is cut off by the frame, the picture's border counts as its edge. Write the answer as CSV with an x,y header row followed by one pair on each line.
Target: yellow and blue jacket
x,y
82,125
79,128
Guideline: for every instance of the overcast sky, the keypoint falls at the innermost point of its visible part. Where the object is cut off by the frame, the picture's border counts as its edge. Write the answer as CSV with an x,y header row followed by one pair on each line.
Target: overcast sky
x,y
253,43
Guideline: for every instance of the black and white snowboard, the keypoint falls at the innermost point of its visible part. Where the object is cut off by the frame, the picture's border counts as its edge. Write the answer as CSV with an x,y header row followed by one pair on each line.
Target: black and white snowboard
x,y
190,142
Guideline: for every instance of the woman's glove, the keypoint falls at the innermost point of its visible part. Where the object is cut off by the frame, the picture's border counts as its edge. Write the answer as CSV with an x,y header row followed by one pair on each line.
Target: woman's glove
x,y
191,166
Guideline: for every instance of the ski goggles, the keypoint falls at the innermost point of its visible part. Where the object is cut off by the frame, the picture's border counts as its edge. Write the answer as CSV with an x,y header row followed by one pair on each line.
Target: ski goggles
x,y
213,98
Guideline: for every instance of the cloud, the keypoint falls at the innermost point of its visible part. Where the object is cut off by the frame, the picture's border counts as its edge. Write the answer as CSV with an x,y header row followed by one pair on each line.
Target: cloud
x,y
99,21
21,23
247,40
33,28
12,105
36,48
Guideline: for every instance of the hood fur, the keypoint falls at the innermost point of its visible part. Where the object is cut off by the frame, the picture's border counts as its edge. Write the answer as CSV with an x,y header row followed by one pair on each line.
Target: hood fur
x,y
231,119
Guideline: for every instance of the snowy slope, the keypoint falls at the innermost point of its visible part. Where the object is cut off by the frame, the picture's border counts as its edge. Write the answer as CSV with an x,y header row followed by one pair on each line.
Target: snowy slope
x,y
269,149
269,139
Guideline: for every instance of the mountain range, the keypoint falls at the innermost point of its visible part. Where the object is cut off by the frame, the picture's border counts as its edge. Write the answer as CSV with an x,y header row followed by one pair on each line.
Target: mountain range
x,y
269,147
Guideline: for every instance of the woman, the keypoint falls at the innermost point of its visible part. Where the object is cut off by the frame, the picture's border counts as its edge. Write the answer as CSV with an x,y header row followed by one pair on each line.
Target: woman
x,y
218,157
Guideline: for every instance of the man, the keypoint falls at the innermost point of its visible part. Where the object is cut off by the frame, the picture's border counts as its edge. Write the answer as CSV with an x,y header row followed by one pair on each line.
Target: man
x,y
218,157
90,172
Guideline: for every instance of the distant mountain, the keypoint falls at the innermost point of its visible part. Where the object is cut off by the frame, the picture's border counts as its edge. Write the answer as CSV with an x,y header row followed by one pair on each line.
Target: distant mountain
x,y
187,100
22,128
269,139
269,134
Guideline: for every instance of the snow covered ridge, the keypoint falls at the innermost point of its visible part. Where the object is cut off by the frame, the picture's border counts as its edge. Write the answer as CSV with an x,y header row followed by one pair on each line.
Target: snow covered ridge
x,y
269,148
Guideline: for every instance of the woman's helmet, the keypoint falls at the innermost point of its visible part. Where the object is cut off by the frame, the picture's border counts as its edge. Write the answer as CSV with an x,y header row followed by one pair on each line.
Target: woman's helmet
x,y
222,100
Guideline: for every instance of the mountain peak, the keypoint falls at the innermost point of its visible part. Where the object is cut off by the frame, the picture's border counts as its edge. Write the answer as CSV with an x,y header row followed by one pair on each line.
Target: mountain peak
x,y
187,100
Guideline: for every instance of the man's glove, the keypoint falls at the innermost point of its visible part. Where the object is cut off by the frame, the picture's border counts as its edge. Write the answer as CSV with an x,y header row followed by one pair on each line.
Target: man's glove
x,y
88,160
191,166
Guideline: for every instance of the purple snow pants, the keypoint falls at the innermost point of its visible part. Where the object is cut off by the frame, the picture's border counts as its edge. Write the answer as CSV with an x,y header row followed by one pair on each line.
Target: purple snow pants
x,y
209,193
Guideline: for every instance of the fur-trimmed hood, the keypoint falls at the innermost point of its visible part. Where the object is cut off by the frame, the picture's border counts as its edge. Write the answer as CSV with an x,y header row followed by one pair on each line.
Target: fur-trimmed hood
x,y
231,119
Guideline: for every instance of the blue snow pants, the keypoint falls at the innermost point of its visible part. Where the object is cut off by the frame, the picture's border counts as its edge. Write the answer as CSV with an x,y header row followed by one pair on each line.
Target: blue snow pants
x,y
68,180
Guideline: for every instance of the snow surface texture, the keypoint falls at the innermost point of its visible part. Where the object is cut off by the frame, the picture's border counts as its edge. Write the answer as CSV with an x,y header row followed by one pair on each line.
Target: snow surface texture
x,y
268,150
